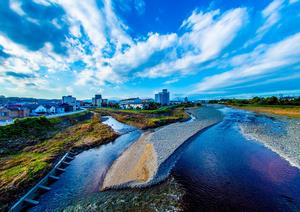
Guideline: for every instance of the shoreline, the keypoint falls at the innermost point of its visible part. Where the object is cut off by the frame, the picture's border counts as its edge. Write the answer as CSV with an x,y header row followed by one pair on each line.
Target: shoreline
x,y
146,156
285,156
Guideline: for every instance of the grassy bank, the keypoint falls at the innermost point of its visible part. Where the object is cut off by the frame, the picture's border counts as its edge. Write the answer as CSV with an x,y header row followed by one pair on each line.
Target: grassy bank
x,y
30,147
282,110
145,119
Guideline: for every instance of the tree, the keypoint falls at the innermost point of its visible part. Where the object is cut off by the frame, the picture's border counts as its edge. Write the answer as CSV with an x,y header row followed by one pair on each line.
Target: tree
x,y
271,100
255,100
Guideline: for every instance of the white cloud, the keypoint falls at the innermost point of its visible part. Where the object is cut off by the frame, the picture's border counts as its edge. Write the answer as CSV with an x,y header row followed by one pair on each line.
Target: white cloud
x,y
43,2
140,6
141,51
171,81
85,14
271,15
273,58
209,34
16,6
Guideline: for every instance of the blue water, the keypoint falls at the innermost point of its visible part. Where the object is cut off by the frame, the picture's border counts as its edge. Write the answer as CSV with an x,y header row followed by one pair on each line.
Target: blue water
x,y
223,171
85,174
219,169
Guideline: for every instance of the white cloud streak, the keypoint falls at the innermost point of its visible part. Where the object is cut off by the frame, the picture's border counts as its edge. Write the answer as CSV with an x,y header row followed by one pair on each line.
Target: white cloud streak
x,y
274,58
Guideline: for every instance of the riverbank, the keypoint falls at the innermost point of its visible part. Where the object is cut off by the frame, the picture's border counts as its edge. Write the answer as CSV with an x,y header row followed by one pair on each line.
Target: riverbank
x,y
280,134
140,163
30,148
146,119
281,110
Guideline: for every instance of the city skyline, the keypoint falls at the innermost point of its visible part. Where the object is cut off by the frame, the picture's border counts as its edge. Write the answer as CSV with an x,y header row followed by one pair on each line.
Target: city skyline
x,y
50,48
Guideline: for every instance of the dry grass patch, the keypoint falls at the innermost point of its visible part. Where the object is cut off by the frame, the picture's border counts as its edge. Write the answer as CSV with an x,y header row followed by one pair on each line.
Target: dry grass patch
x,y
292,112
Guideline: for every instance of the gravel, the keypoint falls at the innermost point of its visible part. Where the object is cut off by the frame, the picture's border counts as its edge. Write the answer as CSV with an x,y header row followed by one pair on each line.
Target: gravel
x,y
281,135
167,139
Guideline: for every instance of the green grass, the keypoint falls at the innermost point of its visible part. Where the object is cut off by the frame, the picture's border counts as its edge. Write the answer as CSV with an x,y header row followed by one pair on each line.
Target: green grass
x,y
147,118
165,109
22,167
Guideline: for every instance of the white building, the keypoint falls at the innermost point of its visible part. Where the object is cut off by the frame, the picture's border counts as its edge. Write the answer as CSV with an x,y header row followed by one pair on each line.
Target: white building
x,y
45,109
50,109
163,97
40,110
132,103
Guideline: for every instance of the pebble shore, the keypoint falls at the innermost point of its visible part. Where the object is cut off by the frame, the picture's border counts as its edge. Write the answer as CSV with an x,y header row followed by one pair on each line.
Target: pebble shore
x,y
281,135
139,164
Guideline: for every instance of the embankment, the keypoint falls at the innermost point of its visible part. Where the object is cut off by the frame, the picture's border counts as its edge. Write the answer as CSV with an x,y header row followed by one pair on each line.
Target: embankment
x,y
30,147
140,163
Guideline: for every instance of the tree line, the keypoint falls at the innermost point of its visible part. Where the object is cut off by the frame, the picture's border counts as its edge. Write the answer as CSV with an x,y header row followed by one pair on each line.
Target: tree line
x,y
273,100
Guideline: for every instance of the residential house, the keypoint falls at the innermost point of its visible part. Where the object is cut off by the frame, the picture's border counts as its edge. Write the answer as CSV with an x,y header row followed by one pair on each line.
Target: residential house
x,y
31,108
66,107
4,114
12,112
60,109
51,109
41,109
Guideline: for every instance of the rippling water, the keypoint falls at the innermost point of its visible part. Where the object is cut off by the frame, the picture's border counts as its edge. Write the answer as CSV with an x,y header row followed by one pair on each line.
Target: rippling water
x,y
221,170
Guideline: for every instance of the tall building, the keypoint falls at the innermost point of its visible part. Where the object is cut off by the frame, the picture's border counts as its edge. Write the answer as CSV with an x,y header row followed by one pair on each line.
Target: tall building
x,y
163,97
70,100
97,100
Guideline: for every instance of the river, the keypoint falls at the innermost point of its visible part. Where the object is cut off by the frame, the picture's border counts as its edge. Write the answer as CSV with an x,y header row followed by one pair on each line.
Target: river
x,y
85,174
220,169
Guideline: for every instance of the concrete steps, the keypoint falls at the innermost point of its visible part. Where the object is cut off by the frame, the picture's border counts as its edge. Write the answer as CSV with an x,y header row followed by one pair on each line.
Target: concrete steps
x,y
30,199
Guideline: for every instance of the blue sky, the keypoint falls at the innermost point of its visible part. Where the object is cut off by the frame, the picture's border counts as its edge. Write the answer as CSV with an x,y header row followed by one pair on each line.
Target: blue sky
x,y
125,48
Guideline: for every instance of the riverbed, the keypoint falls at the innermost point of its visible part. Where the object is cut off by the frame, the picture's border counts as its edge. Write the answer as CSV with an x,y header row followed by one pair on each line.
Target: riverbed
x,y
222,170
219,169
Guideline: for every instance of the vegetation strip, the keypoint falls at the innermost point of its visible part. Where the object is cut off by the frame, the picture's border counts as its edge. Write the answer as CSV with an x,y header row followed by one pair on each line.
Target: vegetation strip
x,y
289,107
145,119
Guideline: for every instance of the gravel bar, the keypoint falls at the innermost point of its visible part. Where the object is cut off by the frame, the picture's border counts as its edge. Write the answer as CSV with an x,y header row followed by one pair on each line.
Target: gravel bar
x,y
138,165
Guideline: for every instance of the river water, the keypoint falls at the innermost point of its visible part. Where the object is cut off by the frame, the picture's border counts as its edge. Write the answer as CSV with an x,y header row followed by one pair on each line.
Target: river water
x,y
220,169
85,174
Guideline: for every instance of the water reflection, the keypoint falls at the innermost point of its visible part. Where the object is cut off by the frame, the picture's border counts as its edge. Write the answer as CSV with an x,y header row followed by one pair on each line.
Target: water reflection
x,y
223,171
